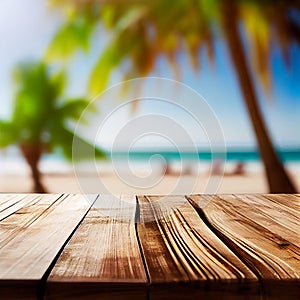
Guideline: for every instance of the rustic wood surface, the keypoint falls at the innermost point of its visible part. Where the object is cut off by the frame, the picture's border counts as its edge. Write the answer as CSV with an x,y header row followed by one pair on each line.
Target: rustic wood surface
x,y
31,238
189,253
103,258
149,247
262,239
276,217
9,204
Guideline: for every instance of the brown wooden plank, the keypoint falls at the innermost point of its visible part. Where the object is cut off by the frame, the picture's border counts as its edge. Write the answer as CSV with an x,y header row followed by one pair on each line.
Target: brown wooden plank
x,y
15,203
274,216
102,260
8,197
32,244
249,233
291,202
19,220
185,258
7,200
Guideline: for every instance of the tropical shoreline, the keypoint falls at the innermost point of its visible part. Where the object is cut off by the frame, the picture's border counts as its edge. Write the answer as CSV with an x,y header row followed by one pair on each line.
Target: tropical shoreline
x,y
143,173
113,183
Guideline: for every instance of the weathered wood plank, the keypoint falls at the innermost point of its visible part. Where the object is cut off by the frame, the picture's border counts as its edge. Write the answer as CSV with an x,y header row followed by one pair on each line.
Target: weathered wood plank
x,y
185,258
274,216
249,233
33,237
291,202
14,207
102,260
18,221
15,203
4,198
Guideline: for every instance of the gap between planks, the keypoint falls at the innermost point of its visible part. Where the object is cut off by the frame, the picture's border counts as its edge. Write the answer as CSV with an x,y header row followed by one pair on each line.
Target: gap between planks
x,y
35,233
103,258
167,224
266,245
184,257
170,248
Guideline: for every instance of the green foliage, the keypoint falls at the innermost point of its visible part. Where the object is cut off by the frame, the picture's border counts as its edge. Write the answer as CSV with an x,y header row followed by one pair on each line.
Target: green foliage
x,y
72,109
72,36
65,139
110,59
40,112
8,134
142,31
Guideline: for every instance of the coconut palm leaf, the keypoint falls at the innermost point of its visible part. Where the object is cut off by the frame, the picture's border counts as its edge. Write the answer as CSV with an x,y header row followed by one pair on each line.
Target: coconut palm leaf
x,y
73,109
70,143
72,36
197,24
109,59
8,134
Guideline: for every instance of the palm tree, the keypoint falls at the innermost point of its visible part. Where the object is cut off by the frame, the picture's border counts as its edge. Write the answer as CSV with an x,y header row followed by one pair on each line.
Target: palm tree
x,y
278,179
145,30
38,121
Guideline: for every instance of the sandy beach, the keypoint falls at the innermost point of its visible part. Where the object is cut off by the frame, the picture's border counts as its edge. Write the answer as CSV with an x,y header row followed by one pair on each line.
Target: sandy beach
x,y
110,183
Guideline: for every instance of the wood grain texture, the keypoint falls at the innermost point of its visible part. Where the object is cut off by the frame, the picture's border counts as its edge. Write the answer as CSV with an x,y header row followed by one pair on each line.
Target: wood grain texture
x,y
184,257
9,199
103,259
30,240
276,217
10,203
13,224
209,247
267,245
291,202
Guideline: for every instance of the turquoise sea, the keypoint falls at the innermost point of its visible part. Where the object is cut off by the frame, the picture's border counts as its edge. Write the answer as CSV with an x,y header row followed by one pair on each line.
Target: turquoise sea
x,y
286,155
139,160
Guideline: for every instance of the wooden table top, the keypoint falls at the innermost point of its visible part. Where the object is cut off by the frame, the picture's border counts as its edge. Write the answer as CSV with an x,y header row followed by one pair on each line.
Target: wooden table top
x,y
57,246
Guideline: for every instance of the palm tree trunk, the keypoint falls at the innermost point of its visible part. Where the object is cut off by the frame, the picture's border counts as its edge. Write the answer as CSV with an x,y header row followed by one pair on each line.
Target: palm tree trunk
x,y
32,154
278,180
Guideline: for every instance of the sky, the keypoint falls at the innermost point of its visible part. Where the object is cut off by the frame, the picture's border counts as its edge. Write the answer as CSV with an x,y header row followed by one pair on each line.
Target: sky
x,y
27,26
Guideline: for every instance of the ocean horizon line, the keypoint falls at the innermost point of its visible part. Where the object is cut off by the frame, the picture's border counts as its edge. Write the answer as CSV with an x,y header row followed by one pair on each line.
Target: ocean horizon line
x,y
233,154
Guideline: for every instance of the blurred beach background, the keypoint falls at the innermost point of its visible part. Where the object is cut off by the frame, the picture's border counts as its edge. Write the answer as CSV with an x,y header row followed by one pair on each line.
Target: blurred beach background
x,y
31,30
59,176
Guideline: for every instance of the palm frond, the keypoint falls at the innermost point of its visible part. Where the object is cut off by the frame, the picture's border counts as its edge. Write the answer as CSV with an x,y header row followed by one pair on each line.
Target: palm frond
x,y
8,134
72,36
108,60
69,142
73,108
